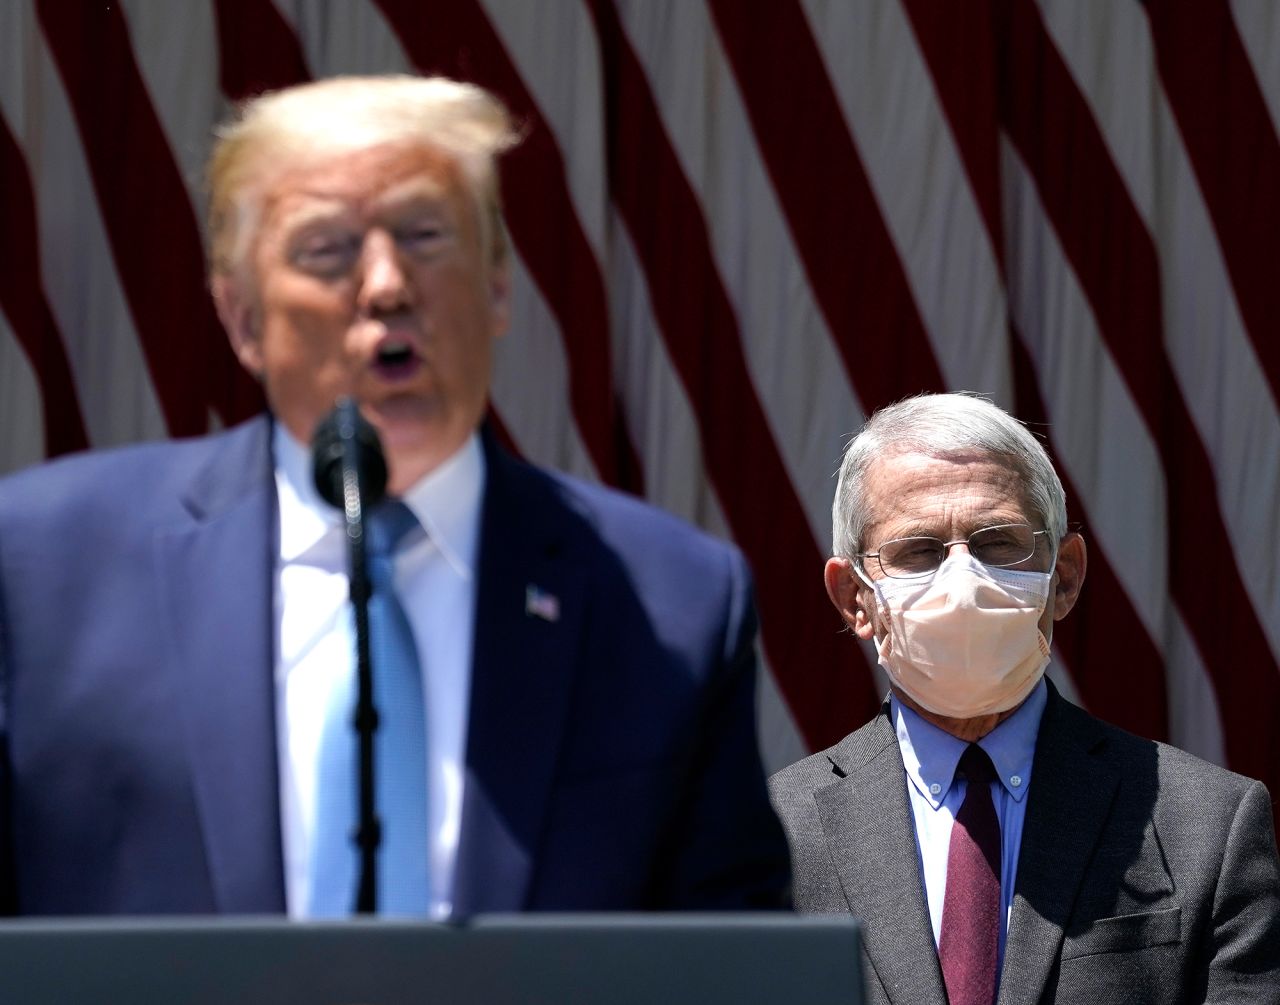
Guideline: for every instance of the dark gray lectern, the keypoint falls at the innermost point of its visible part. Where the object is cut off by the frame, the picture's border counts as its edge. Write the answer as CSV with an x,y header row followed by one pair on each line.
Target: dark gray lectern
x,y
494,960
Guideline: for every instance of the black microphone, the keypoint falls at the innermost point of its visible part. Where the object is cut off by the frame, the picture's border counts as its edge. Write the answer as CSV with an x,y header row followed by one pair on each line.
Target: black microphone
x,y
350,473
345,433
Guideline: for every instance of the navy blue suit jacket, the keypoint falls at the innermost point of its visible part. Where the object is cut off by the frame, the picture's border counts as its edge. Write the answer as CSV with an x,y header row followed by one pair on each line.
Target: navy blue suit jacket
x,y
611,756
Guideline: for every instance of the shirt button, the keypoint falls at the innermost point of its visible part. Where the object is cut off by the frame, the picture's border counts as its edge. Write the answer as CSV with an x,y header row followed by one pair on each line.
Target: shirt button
x,y
935,788
1015,781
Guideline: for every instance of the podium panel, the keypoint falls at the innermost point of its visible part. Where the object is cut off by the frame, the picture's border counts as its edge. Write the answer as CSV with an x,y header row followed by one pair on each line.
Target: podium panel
x,y
487,960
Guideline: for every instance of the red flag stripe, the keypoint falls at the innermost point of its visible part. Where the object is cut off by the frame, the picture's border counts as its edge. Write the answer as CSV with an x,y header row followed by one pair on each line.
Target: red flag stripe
x,y
191,364
258,50
1111,56
826,196
23,302
1104,630
540,216
1234,151
958,45
1085,204
754,256
955,40
808,656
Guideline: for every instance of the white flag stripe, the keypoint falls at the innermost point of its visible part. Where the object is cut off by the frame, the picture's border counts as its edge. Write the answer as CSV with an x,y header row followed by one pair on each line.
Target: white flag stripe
x,y
21,411
80,279
568,91
780,740
655,408
905,145
1092,38
530,370
655,404
659,416
1105,450
1219,378
567,94
1102,442
1258,23
349,37
1118,479
1195,720
185,92
787,347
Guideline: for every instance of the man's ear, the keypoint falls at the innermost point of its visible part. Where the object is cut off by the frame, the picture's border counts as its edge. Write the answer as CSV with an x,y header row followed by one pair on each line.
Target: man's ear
x,y
850,596
236,312
1068,574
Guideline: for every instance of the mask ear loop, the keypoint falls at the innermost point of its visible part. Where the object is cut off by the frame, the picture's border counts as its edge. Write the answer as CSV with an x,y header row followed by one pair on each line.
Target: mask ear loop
x,y
882,605
857,571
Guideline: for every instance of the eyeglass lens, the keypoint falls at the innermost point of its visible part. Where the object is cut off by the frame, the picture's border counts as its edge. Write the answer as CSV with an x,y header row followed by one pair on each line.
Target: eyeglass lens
x,y
1004,545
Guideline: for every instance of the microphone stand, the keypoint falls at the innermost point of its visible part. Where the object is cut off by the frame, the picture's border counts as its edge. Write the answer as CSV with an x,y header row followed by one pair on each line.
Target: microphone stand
x,y
363,481
369,829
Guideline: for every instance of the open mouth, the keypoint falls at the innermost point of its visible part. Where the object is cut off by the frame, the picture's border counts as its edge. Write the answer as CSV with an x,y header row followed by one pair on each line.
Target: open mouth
x,y
395,360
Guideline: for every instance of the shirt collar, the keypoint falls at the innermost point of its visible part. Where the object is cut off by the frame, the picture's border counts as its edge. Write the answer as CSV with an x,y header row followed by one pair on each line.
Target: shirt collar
x,y
446,502
931,755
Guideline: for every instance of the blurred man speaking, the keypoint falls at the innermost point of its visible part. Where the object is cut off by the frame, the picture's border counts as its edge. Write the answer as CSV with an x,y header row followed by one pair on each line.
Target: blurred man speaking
x,y
996,839
176,645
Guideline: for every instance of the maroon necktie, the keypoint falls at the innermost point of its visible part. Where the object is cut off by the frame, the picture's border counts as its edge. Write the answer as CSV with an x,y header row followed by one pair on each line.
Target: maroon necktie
x,y
971,909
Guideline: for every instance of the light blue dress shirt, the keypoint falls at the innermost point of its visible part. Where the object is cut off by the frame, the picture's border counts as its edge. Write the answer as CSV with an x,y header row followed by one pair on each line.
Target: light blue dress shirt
x,y
930,756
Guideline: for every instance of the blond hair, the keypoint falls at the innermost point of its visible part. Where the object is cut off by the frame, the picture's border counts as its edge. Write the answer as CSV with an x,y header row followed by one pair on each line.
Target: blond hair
x,y
342,115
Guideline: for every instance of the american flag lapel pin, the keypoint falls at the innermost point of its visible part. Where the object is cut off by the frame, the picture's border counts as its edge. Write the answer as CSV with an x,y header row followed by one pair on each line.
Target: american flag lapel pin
x,y
538,603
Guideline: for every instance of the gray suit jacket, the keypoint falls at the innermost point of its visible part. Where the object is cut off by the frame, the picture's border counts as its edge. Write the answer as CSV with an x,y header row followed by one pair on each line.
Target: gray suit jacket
x,y
1145,874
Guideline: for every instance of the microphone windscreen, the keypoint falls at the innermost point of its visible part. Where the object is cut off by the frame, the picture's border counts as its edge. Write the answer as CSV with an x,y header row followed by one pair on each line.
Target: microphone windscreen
x,y
341,431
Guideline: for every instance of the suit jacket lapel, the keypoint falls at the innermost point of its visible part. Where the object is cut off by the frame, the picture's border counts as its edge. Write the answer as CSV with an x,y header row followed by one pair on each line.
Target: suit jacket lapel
x,y
867,822
529,610
1070,799
216,577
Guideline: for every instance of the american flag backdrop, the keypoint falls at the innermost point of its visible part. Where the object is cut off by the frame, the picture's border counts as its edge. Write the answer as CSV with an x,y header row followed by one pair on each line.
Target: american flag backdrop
x,y
738,229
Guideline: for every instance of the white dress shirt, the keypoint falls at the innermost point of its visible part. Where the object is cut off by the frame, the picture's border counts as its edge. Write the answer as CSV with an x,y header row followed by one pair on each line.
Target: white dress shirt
x,y
436,580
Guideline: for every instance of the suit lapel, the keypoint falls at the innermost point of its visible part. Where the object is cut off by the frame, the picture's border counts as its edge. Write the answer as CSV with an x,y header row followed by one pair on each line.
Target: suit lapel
x,y
867,823
1070,799
216,578
529,610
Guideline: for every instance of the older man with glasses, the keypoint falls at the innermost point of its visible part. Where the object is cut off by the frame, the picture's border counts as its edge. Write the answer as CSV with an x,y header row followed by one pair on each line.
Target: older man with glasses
x,y
995,838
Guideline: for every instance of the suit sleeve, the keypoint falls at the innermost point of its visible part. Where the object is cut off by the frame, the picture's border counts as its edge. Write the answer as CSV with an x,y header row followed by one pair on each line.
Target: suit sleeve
x,y
1245,954
727,850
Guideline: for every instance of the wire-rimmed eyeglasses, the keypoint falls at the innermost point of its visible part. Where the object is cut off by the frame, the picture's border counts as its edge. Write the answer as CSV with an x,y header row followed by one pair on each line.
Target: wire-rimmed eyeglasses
x,y
999,547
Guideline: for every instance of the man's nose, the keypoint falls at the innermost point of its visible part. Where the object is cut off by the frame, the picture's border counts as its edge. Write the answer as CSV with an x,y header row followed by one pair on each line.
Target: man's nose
x,y
949,546
384,285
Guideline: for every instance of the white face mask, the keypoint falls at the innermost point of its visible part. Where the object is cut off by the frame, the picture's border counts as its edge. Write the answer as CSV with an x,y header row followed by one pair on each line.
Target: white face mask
x,y
966,641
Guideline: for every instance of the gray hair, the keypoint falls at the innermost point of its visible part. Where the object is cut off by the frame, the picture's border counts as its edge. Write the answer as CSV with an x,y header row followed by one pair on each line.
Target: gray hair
x,y
341,115
946,426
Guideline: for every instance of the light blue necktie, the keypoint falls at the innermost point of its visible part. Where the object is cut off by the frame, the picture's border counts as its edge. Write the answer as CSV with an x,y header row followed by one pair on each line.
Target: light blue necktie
x,y
399,752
